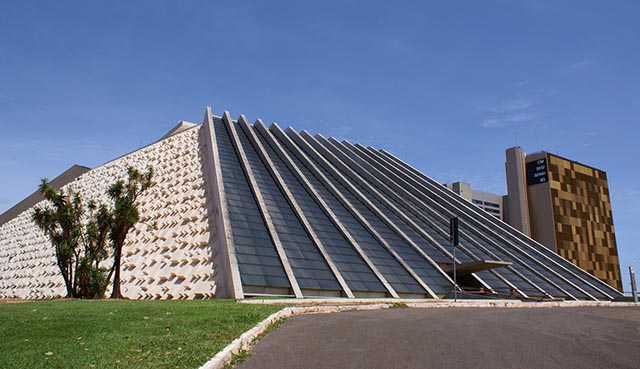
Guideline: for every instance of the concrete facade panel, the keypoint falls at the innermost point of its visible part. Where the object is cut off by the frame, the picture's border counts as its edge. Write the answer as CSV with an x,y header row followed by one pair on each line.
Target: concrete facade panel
x,y
170,261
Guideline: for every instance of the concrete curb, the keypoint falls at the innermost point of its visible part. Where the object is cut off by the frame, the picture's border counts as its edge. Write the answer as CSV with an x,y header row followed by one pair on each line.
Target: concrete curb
x,y
520,304
422,303
247,338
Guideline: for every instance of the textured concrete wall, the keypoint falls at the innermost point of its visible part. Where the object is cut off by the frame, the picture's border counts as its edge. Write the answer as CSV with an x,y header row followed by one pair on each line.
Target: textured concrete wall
x,y
170,262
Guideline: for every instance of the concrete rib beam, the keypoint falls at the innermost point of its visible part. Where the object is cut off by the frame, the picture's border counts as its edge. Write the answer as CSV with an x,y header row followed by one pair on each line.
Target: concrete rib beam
x,y
329,160
346,154
257,194
232,283
296,208
393,171
410,196
278,132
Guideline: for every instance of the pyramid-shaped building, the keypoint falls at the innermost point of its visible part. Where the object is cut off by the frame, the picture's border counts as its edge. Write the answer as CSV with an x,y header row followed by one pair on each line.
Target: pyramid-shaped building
x,y
248,210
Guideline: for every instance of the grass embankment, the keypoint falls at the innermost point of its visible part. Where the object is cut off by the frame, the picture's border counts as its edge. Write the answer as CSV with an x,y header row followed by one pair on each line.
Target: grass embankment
x,y
121,334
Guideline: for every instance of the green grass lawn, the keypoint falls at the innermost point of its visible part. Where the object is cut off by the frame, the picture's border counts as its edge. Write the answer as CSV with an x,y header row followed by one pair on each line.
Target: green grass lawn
x,y
121,334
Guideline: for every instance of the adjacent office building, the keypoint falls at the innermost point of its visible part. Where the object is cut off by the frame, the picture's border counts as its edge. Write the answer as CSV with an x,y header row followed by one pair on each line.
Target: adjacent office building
x,y
490,202
564,205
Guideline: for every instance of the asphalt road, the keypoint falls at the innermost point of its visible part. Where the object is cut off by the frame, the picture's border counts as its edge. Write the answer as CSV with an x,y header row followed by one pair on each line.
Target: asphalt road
x,y
455,338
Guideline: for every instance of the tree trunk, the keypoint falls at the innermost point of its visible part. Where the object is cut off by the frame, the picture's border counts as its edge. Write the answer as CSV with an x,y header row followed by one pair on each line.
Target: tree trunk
x,y
115,293
74,276
67,283
69,288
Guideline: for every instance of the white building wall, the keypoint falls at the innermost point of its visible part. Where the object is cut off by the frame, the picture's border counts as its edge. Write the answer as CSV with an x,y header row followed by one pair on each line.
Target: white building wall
x,y
489,200
171,262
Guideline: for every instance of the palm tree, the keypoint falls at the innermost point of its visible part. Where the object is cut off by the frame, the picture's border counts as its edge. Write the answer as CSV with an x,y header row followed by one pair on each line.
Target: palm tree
x,y
82,242
93,277
62,224
124,216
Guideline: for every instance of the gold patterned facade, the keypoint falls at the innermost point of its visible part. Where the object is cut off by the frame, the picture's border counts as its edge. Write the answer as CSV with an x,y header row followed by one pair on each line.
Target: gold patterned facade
x,y
583,219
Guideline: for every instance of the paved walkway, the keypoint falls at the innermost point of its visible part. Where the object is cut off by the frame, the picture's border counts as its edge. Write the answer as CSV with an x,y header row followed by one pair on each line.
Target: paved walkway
x,y
564,338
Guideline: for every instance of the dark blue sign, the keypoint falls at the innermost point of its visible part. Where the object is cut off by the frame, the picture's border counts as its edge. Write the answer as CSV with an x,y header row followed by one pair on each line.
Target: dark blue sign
x,y
537,172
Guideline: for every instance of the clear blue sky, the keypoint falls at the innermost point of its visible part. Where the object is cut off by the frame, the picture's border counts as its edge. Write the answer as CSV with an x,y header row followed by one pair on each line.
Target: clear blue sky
x,y
446,86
